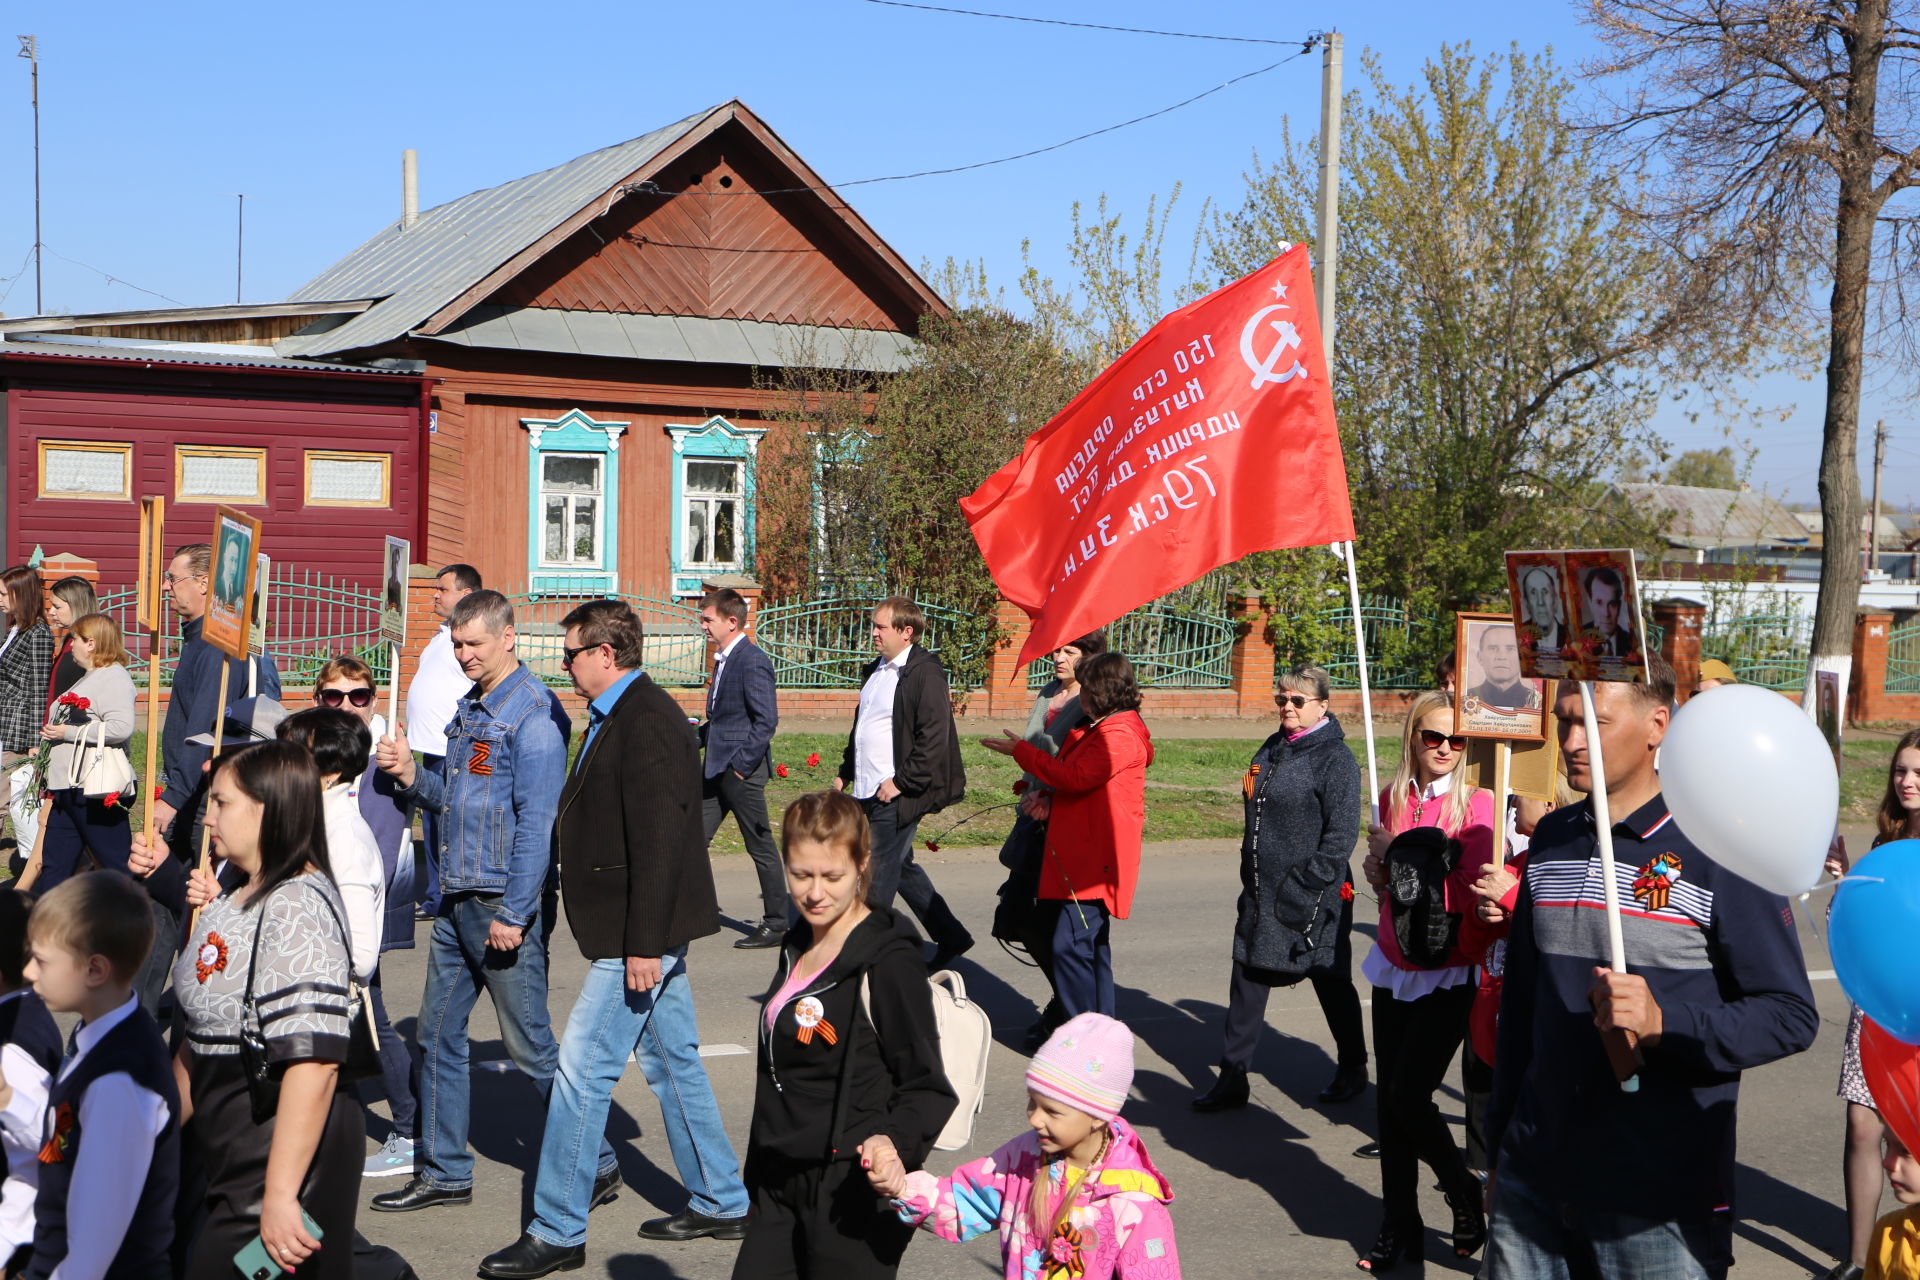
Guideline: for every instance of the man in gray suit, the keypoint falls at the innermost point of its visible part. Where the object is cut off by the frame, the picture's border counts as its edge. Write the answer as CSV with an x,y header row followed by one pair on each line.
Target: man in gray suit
x,y
742,713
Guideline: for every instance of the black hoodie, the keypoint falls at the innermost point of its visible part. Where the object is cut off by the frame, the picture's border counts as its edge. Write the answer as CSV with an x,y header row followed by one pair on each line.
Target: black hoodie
x,y
894,1082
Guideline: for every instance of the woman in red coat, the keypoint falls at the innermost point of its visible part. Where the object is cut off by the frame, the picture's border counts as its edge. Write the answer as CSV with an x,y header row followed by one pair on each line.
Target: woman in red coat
x,y
1092,863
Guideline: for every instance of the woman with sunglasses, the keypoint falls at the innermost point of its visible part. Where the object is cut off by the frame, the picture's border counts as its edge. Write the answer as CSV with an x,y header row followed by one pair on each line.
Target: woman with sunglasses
x,y
1420,1014
1295,915
346,684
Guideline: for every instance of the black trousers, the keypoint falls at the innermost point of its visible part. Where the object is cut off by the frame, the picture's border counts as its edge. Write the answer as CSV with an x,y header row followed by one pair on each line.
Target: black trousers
x,y
896,872
746,799
822,1222
1413,1044
1476,1085
1247,993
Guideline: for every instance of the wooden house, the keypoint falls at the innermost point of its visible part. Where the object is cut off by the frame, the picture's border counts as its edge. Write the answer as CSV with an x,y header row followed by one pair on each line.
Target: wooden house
x,y
589,338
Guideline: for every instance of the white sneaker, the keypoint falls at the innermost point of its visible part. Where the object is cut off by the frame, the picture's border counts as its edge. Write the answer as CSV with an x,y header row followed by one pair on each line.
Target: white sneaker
x,y
395,1157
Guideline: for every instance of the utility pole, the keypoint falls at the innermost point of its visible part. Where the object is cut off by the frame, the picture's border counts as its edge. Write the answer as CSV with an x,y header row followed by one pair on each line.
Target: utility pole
x,y
1873,518
1326,238
30,50
240,246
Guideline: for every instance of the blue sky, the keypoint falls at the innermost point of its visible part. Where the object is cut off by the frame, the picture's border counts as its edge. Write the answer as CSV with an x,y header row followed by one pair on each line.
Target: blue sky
x,y
153,117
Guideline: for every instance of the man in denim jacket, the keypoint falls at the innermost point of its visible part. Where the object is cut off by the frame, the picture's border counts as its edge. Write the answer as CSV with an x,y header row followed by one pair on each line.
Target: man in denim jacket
x,y
506,763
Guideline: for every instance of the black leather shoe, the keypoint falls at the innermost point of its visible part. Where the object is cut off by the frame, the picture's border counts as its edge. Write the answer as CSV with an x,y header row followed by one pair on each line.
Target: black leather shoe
x,y
530,1257
689,1225
763,936
1348,1083
1229,1092
1370,1151
418,1195
946,953
606,1189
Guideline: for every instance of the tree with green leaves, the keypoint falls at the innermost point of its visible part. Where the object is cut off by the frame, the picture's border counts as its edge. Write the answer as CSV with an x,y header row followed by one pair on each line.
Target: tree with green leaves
x,y
1705,469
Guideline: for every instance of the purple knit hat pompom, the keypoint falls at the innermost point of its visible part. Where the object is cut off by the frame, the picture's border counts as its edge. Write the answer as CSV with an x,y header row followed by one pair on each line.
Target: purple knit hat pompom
x,y
1087,1064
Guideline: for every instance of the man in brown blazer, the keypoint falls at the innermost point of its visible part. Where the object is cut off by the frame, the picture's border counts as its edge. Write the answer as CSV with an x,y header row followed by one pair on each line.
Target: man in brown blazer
x,y
630,844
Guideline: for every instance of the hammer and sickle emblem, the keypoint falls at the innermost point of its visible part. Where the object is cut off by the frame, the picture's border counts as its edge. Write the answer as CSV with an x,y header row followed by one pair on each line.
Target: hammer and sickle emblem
x,y
1289,338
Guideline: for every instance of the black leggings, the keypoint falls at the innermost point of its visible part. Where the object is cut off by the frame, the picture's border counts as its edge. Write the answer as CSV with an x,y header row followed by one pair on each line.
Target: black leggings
x,y
821,1222
1414,1042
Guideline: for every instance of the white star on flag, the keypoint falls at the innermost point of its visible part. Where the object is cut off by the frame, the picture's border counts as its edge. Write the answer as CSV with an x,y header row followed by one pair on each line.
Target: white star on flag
x,y
1279,290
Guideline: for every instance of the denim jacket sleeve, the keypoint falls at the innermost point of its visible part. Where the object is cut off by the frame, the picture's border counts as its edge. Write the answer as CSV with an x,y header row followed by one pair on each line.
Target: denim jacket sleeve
x,y
429,790
539,774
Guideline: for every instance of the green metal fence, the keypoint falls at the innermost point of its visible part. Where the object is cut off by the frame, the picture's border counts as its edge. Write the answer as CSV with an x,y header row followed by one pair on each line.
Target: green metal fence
x,y
1769,650
676,651
1903,658
311,617
822,643
1401,648
1183,640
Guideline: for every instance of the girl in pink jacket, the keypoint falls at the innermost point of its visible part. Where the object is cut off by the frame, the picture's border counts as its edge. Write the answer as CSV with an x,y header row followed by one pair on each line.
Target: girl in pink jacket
x,y
1074,1198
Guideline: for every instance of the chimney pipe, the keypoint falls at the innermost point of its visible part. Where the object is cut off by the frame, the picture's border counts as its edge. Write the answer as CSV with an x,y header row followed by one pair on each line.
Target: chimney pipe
x,y
409,188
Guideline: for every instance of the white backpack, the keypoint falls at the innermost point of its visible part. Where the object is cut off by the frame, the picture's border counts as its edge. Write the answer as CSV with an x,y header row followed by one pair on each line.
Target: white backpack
x,y
966,1036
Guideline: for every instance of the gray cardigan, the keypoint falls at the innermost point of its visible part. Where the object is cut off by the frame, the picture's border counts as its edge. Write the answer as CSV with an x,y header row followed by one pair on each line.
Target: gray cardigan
x,y
1302,820
1050,737
109,692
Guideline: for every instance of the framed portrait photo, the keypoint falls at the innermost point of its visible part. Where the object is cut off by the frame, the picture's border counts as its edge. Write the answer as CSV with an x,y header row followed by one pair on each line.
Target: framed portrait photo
x,y
257,616
1542,613
236,540
393,578
1492,698
1610,643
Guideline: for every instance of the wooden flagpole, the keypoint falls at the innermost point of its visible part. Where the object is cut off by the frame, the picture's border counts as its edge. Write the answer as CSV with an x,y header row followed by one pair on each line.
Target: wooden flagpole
x,y
1366,691
1621,1049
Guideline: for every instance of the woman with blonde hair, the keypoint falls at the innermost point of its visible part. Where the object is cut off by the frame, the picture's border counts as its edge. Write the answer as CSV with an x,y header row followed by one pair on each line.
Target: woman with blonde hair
x,y
100,718
1431,824
68,601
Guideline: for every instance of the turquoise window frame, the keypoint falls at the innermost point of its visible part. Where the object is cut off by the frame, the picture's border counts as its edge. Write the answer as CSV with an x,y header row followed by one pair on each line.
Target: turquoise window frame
x,y
574,432
715,440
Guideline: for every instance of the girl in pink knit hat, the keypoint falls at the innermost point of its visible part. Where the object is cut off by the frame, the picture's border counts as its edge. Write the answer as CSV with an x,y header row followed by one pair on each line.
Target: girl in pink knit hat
x,y
1074,1196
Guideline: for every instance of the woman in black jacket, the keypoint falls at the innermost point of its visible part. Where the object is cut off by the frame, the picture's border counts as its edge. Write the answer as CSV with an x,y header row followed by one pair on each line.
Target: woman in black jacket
x,y
1296,899
848,1051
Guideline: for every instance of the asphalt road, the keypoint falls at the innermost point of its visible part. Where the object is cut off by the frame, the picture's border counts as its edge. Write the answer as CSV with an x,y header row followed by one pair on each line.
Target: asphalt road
x,y
1272,1190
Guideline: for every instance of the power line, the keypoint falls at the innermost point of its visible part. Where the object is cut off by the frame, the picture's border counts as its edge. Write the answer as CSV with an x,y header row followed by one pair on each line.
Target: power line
x,y
1092,26
112,279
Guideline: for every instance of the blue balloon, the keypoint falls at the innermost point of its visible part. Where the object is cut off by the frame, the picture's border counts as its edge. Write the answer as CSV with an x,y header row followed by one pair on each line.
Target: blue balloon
x,y
1871,935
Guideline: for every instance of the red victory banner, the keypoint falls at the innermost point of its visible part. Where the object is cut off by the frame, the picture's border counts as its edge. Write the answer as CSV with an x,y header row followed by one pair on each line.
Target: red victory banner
x,y
1212,438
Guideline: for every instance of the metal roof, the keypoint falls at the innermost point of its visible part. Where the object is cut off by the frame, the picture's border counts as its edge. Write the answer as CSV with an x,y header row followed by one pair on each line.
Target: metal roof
x,y
455,245
135,351
692,338
1706,518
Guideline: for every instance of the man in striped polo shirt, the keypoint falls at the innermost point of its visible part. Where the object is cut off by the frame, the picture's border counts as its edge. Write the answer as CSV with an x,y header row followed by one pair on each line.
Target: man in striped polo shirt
x,y
1591,1180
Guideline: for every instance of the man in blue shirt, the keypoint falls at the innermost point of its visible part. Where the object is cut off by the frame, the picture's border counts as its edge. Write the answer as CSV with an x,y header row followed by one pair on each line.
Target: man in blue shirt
x,y
630,842
505,763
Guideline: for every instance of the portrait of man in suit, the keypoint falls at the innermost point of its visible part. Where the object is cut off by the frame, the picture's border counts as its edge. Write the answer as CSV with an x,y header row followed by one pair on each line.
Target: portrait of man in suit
x,y
1605,592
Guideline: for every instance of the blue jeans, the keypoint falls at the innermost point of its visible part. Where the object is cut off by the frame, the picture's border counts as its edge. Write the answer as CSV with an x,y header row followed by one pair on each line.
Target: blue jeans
x,y
608,1023
1532,1238
459,967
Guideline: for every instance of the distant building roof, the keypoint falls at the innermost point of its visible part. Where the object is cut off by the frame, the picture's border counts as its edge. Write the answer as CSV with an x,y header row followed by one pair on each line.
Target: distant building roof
x,y
1702,519
696,339
1887,535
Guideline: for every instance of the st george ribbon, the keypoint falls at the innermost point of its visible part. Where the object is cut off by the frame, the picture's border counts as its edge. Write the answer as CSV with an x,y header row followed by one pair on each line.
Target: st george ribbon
x,y
1212,438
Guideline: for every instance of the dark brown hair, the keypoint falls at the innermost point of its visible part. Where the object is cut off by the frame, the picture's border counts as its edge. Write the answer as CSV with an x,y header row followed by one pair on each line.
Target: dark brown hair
x,y
1090,645
1659,688
831,818
904,615
26,596
611,622
465,576
293,831
1892,818
727,603
97,913
1107,685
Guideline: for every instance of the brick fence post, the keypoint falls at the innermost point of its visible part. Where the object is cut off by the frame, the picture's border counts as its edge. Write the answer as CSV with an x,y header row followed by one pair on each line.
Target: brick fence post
x,y
1683,621
1252,662
1006,693
1867,691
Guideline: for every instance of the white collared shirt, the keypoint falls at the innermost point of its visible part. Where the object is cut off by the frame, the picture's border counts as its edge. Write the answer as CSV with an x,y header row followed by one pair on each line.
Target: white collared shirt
x,y
873,727
109,1173
434,694
358,872
720,663
22,1130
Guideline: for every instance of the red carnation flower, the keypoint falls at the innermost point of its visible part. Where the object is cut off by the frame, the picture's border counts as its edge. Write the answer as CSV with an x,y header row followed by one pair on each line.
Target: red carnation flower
x,y
813,761
780,770
111,802
933,846
1346,892
83,703
1020,786
158,791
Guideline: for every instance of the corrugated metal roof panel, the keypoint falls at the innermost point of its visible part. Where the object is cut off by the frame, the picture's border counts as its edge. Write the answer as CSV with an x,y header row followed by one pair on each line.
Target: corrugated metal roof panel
x,y
1705,518
455,245
690,338
189,354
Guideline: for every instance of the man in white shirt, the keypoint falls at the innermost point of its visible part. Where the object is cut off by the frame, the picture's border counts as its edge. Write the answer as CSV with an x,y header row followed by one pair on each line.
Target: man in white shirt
x,y
437,686
902,762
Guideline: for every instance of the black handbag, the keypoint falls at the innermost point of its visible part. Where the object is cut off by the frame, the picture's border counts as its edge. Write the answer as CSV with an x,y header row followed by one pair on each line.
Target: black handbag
x,y
263,1075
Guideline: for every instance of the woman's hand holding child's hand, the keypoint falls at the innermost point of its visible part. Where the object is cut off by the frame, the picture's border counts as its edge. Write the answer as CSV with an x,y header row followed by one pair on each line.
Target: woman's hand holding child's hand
x,y
882,1163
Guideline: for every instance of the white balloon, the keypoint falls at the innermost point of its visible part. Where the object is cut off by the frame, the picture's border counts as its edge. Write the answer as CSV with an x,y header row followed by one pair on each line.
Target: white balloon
x,y
1751,781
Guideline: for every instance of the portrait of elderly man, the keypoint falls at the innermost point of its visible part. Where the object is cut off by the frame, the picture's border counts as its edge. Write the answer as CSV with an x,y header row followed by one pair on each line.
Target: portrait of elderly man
x,y
1541,605
1496,660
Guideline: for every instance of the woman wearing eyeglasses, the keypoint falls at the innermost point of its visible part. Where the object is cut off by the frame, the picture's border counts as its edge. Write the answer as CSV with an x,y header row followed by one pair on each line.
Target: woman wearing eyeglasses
x,y
1295,915
1420,1014
346,683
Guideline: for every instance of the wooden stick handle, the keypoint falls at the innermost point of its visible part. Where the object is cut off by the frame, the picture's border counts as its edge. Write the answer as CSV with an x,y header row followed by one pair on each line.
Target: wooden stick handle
x,y
219,732
153,730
